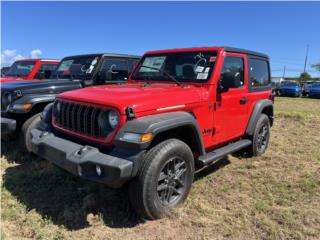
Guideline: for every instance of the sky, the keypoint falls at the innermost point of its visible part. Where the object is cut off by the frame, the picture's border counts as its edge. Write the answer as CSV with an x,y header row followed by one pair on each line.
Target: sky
x,y
58,29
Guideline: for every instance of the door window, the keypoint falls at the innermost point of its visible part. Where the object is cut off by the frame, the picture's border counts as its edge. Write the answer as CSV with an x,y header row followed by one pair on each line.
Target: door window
x,y
232,74
45,71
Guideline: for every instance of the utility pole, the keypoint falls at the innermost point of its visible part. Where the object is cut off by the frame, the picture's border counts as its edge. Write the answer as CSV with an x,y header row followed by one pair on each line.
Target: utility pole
x,y
284,72
305,61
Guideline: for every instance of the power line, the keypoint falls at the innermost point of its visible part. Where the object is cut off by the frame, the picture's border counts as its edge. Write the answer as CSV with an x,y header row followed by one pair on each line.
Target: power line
x,y
305,62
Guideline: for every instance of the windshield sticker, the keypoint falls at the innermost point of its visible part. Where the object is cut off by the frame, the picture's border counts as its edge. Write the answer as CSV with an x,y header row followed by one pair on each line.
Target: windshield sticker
x,y
207,70
65,65
152,64
212,59
89,70
202,76
94,62
199,69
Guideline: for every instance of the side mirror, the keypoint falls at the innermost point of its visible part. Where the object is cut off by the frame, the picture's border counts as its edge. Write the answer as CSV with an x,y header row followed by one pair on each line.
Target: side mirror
x,y
229,80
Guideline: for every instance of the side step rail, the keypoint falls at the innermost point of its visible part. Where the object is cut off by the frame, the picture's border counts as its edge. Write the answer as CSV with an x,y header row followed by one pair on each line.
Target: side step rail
x,y
217,154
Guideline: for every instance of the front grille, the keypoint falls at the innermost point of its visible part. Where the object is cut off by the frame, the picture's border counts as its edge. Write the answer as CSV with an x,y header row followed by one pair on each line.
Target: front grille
x,y
81,119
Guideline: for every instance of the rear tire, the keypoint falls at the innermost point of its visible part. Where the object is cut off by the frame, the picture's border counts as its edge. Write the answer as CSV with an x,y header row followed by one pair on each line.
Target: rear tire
x,y
28,125
260,139
164,180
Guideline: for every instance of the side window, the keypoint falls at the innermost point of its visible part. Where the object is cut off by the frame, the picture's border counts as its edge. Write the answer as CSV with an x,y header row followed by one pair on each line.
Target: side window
x,y
114,70
232,74
259,73
50,67
46,70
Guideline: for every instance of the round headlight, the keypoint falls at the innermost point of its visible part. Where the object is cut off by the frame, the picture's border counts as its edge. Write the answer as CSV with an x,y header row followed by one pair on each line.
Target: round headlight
x,y
113,118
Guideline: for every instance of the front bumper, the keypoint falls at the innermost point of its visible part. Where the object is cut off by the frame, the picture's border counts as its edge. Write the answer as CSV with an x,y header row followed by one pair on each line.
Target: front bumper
x,y
8,126
82,160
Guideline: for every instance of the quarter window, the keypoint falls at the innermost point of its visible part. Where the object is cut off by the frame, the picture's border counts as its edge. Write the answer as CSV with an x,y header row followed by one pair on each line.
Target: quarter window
x,y
259,73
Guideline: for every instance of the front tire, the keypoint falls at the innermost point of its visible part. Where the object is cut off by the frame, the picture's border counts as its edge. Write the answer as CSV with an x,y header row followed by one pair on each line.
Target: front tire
x,y
164,180
26,138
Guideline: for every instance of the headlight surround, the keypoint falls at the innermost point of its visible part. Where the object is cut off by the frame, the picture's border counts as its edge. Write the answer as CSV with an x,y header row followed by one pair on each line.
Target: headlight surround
x,y
113,118
108,120
56,108
46,114
6,100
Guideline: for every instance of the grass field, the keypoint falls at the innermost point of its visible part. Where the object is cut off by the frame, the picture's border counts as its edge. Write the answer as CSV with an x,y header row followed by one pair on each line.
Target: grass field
x,y
276,196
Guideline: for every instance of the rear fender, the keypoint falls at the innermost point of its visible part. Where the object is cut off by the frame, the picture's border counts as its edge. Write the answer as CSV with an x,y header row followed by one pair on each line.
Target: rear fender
x,y
262,106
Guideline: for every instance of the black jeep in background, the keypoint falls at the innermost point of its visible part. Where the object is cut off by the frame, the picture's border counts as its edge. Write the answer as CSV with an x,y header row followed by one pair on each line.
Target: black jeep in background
x,y
22,102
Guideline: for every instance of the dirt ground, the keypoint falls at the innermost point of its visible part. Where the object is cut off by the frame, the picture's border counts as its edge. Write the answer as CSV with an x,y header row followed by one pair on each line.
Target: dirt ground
x,y
275,196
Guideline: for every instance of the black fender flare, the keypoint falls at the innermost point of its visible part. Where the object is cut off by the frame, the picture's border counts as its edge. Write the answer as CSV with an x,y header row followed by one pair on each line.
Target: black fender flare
x,y
35,100
256,112
157,124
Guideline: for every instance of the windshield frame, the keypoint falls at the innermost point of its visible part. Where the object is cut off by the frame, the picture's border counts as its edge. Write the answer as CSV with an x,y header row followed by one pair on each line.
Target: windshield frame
x,y
165,78
32,62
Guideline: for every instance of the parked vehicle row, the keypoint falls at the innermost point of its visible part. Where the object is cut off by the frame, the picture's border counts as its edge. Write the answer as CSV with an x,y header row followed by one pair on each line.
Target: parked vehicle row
x,y
295,89
179,111
22,102
29,69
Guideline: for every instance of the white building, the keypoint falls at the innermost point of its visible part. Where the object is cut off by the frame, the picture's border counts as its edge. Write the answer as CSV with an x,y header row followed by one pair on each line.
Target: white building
x,y
277,79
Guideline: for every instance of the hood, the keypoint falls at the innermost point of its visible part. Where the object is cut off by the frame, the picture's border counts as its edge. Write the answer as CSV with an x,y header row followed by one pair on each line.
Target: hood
x,y
50,86
141,98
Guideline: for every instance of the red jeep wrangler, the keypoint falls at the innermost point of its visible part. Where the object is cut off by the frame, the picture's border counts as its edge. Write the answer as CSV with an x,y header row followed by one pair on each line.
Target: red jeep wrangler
x,y
29,69
181,110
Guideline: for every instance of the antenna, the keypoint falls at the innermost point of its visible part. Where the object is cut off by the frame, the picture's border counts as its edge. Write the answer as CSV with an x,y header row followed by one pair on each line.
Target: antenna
x,y
284,71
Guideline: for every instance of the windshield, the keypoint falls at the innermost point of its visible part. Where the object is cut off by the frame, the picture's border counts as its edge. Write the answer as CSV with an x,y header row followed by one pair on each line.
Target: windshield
x,y
316,85
76,67
21,69
181,67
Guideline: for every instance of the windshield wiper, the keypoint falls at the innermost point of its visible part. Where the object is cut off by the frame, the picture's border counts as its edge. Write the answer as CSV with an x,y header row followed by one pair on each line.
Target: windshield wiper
x,y
166,73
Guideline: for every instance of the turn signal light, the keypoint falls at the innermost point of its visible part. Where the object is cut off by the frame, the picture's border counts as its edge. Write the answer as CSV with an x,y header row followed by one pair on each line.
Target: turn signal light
x,y
26,106
146,137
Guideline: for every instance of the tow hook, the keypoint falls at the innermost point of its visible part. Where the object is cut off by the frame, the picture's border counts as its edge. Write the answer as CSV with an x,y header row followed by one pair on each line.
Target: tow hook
x,y
82,150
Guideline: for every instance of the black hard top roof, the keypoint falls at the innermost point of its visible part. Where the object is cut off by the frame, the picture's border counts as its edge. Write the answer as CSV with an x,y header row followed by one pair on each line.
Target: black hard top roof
x,y
240,50
106,55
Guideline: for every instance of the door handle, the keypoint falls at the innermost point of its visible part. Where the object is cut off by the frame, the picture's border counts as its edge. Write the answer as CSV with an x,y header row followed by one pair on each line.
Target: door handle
x,y
244,100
